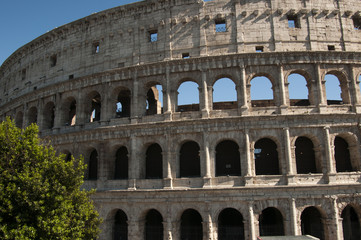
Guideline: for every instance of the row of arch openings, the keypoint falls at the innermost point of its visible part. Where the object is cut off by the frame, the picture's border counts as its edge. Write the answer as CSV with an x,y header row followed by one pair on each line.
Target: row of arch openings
x,y
231,224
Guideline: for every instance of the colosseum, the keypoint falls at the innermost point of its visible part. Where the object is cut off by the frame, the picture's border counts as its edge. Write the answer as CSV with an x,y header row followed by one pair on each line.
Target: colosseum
x,y
108,87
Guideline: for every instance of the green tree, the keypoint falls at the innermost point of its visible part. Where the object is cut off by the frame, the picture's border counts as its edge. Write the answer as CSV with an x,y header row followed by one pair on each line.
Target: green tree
x,y
40,192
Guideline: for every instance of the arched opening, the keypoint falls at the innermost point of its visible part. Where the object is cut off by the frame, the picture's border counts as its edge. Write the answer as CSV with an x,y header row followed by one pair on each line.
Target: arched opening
x,y
311,223
262,92
93,166
120,228
153,225
333,90
154,162
189,159
154,100
298,91
69,112
224,94
350,224
191,225
188,97
228,159
95,108
68,157
19,119
342,155
230,225
49,115
121,164
305,156
123,104
33,115
271,222
266,157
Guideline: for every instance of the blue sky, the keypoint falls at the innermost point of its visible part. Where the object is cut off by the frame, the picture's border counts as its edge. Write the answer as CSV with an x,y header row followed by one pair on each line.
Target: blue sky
x,y
21,21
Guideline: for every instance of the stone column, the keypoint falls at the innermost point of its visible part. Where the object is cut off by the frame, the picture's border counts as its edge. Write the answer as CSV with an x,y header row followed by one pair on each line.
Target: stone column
x,y
167,103
290,166
168,163
58,111
247,162
294,230
208,228
105,101
328,151
355,91
204,103
207,163
319,87
40,120
80,109
282,92
242,91
134,230
252,227
134,111
133,163
335,223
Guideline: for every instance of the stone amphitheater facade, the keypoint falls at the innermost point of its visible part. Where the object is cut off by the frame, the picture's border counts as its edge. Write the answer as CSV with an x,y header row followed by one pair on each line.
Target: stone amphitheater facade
x,y
228,170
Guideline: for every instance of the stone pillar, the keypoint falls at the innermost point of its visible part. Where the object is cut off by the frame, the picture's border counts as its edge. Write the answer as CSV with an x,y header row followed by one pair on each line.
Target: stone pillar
x,y
282,92
168,163
319,87
134,230
105,102
294,229
168,109
248,160
335,221
252,227
80,109
133,163
354,91
58,111
242,91
290,166
204,103
168,229
134,111
40,113
208,228
328,151
207,163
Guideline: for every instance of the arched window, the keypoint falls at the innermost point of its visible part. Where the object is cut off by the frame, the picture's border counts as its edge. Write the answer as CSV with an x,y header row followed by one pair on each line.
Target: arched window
x,y
19,119
224,94
191,225
230,225
32,115
153,225
49,115
271,222
333,90
123,104
188,97
189,159
93,166
95,107
121,164
342,155
261,92
155,100
311,223
266,157
350,224
228,159
154,162
305,156
69,111
298,91
120,228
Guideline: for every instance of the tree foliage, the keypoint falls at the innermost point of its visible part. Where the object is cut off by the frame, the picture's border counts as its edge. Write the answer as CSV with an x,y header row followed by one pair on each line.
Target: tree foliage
x,y
40,192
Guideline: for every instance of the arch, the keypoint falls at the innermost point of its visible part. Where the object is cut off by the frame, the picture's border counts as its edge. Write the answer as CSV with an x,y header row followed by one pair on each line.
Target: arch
x,y
93,105
123,107
271,222
342,155
121,163
266,157
93,166
298,90
224,94
350,224
154,162
120,227
311,223
191,225
19,119
336,88
69,111
228,159
153,225
189,160
154,100
188,96
49,115
32,115
305,156
262,92
68,156
230,225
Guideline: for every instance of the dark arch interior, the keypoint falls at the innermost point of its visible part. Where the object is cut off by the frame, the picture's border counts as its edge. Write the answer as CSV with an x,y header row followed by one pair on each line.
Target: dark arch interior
x,y
68,157
95,108
120,230
271,222
154,105
154,162
342,156
123,104
227,159
189,160
154,226
121,163
33,115
49,115
93,166
230,225
311,223
191,225
350,224
266,157
71,113
305,156
19,119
